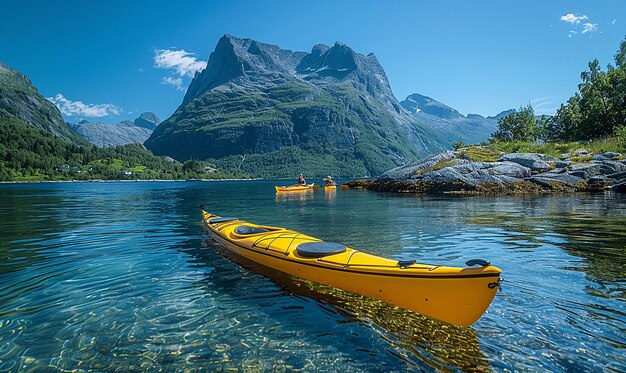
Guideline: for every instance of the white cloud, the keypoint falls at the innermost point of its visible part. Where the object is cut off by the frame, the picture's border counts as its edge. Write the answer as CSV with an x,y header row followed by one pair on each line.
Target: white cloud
x,y
544,105
572,33
180,61
174,82
80,109
613,22
574,20
590,27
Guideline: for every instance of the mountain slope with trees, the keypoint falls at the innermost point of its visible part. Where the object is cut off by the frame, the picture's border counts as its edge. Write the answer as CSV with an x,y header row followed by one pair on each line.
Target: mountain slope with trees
x,y
20,100
37,145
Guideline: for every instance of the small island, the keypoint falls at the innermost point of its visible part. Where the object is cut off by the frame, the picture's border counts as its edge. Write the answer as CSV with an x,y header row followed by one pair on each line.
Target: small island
x,y
486,170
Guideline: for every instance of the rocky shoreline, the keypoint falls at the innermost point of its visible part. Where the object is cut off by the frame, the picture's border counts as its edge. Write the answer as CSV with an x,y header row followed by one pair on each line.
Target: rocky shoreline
x,y
514,173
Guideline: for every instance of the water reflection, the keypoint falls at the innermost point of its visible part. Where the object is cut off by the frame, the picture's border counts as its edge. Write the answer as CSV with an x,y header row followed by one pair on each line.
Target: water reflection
x,y
330,195
301,196
412,338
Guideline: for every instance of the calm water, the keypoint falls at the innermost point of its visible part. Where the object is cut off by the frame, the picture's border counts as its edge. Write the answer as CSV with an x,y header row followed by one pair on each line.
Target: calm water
x,y
121,276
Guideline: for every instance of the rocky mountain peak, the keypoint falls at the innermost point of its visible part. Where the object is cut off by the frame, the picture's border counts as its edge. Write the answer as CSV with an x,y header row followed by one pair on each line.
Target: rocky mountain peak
x,y
502,114
242,64
248,65
418,103
147,120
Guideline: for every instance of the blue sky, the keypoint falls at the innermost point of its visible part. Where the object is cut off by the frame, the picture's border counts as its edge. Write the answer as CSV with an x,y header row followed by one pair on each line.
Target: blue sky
x,y
97,59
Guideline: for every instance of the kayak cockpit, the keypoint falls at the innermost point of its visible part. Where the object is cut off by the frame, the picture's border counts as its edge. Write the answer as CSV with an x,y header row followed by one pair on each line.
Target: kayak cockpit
x,y
251,230
221,220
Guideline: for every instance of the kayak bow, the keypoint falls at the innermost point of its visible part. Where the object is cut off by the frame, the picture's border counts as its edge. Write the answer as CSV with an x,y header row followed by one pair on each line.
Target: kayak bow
x,y
451,294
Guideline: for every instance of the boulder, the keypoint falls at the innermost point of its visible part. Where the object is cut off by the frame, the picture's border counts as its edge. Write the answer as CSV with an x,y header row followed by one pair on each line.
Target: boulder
x,y
617,175
509,169
607,156
557,170
585,171
534,161
546,178
620,188
581,152
598,183
608,167
478,173
562,164
599,179
411,170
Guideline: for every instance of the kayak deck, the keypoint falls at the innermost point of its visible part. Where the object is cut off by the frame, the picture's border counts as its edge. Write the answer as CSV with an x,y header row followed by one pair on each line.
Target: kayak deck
x,y
294,188
451,294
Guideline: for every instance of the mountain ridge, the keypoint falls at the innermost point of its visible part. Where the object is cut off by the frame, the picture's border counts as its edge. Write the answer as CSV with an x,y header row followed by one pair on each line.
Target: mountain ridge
x,y
258,99
122,133
473,128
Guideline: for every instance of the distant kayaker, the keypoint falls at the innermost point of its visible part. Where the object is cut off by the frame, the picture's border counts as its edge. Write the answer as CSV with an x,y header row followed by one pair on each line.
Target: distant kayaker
x,y
329,181
301,180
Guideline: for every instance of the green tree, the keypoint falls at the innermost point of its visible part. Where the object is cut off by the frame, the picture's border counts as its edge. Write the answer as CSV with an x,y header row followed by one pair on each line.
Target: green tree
x,y
598,109
517,126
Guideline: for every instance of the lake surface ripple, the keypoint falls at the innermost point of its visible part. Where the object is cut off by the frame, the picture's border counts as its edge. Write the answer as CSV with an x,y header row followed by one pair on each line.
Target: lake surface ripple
x,y
122,277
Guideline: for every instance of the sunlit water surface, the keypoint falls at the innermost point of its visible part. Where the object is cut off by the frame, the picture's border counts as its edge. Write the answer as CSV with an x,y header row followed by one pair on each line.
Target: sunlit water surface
x,y
122,277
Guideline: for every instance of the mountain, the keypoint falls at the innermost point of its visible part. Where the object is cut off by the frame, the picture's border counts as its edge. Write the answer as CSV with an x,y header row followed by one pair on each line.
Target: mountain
x,y
417,103
125,132
20,100
273,112
502,114
473,128
147,120
37,145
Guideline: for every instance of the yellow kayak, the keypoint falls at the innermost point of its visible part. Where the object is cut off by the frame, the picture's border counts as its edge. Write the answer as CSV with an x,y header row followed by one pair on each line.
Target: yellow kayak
x,y
294,188
330,187
451,294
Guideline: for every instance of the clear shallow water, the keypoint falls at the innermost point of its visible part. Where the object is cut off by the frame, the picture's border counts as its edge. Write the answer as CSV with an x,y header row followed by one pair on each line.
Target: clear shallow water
x,y
121,276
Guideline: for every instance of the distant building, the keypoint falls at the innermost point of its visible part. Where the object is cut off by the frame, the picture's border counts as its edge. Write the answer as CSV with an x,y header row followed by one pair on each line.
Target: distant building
x,y
127,172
